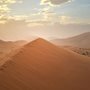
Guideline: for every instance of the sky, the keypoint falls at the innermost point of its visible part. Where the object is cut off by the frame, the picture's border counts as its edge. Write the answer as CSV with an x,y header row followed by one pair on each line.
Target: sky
x,y
20,19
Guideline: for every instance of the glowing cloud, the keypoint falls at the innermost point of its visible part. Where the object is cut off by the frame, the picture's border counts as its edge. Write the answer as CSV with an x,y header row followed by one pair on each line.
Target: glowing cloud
x,y
4,8
4,5
10,1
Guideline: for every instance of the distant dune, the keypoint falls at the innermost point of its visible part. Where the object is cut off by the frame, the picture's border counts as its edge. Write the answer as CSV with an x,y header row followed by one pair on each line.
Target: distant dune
x,y
8,48
81,41
41,65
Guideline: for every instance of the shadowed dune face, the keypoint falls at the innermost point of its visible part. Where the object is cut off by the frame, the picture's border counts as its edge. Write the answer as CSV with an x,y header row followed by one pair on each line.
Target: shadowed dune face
x,y
42,66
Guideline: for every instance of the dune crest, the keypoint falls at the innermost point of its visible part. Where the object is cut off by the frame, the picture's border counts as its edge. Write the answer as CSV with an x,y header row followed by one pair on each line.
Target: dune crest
x,y
40,65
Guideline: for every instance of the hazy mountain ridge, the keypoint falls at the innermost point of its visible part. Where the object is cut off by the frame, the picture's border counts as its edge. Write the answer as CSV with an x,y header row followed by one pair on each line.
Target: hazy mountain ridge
x,y
81,41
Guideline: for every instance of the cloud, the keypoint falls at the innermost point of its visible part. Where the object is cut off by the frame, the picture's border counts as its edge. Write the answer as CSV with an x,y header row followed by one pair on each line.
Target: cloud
x,y
33,23
5,9
7,1
53,2
10,1
4,5
3,21
73,20
17,17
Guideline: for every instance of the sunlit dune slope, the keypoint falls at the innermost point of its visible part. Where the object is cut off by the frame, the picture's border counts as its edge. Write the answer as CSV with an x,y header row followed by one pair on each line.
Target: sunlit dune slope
x,y
42,66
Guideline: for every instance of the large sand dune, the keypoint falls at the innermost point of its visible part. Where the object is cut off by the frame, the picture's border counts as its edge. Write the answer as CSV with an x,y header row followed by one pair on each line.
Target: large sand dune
x,y
42,66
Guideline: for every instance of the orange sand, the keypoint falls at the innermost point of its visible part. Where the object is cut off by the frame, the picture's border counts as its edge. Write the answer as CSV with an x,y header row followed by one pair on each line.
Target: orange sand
x,y
42,66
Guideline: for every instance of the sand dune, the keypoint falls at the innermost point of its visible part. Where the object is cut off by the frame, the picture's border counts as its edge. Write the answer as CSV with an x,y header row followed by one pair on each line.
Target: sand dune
x,y
41,65
9,48
81,41
81,51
